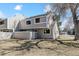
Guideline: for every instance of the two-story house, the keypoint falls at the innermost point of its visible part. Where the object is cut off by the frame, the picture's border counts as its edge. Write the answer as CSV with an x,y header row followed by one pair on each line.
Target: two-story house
x,y
37,27
43,25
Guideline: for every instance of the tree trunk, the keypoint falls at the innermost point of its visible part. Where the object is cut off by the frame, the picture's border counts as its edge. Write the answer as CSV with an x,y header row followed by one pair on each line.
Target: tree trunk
x,y
76,26
76,31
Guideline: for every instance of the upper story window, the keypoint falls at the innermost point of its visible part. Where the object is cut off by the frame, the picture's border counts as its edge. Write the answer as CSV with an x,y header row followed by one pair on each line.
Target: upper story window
x,y
1,22
37,20
28,22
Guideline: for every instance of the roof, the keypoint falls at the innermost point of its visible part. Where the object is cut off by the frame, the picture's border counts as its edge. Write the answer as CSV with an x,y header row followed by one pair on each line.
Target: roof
x,y
38,15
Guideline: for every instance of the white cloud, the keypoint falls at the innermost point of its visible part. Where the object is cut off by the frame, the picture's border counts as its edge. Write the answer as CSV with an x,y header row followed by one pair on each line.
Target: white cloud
x,y
47,8
2,15
18,7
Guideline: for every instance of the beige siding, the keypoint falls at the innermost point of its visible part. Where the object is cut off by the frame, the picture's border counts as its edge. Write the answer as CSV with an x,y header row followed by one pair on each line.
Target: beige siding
x,y
24,35
42,24
45,36
46,21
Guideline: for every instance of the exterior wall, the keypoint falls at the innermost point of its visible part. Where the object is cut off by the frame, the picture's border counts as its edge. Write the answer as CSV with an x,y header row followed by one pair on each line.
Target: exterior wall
x,y
52,24
33,25
4,26
24,35
55,31
43,35
49,19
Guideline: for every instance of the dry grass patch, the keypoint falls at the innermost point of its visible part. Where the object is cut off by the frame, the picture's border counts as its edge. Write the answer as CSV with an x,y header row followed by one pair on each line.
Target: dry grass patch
x,y
39,47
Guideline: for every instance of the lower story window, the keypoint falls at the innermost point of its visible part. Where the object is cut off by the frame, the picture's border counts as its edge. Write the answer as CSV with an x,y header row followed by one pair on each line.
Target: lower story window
x,y
46,31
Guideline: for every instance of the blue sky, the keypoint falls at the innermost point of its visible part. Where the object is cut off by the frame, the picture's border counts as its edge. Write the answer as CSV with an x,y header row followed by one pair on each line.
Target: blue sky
x,y
28,9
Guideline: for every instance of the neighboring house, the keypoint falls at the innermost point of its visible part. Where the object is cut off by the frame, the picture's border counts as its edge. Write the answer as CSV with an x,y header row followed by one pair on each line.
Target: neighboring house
x,y
36,27
11,23
3,23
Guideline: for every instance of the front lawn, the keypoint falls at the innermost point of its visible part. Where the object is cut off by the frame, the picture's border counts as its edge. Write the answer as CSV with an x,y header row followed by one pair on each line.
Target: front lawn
x,y
16,47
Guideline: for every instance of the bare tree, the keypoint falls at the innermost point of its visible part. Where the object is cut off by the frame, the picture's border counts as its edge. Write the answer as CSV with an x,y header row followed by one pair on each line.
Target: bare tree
x,y
68,24
61,9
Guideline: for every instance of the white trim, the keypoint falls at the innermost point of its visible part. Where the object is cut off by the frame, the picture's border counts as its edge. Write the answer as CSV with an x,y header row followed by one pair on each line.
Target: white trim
x,y
30,36
28,20
40,23
35,21
46,19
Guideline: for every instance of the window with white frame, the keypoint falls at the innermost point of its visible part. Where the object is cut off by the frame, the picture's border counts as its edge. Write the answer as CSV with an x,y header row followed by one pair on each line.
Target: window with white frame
x,y
47,31
28,22
37,20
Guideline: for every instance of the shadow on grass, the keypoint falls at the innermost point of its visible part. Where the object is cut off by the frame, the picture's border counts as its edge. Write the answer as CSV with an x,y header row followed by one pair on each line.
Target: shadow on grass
x,y
28,45
31,44
73,44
